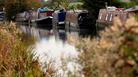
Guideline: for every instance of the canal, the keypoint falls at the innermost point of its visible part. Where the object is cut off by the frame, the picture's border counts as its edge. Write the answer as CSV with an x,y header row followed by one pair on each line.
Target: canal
x,y
53,51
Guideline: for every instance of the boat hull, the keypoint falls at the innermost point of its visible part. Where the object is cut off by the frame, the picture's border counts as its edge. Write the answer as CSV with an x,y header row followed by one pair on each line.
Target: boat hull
x,y
44,23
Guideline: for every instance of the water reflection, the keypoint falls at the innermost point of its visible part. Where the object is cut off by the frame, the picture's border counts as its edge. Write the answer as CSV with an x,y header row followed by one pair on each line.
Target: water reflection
x,y
42,33
53,49
61,55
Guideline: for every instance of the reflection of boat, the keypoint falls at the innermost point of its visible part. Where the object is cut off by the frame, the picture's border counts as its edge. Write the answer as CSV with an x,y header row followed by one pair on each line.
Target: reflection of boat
x,y
45,22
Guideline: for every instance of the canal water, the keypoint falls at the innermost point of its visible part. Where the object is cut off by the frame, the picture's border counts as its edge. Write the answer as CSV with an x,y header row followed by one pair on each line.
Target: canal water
x,y
53,51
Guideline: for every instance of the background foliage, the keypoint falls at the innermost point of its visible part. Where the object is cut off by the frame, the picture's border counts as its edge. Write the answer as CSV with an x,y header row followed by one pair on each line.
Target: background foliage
x,y
15,6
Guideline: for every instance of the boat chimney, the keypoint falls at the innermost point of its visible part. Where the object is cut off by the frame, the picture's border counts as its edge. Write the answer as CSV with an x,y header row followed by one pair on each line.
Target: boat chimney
x,y
106,4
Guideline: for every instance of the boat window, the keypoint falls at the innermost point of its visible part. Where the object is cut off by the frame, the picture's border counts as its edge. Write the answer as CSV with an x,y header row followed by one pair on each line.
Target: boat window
x,y
100,16
111,17
116,15
106,17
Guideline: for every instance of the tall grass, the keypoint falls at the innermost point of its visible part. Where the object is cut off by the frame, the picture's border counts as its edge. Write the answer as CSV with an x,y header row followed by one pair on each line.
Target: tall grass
x,y
115,54
16,60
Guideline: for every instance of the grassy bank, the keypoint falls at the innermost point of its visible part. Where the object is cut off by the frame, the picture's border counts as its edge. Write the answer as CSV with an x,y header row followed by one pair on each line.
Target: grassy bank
x,y
115,54
16,58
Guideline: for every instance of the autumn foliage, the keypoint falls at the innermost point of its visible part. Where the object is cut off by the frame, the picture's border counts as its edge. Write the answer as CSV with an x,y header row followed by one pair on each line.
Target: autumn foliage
x,y
16,58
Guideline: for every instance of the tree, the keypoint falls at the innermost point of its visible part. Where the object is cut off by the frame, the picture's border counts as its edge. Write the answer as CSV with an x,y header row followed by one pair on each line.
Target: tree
x,y
13,7
33,4
16,6
60,4
1,4
135,1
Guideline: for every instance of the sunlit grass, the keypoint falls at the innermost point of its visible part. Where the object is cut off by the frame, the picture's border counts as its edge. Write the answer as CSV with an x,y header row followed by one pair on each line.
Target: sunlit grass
x,y
16,59
115,54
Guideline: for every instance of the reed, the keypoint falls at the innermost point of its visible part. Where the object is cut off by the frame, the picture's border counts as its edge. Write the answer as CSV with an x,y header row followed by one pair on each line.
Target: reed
x,y
16,59
114,54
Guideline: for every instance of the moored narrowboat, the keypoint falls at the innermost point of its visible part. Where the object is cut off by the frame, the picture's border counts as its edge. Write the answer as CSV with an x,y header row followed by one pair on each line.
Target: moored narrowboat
x,y
45,18
106,16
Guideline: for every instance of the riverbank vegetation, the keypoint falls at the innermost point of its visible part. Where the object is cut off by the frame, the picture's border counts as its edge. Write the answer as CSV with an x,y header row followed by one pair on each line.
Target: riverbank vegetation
x,y
114,54
16,59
